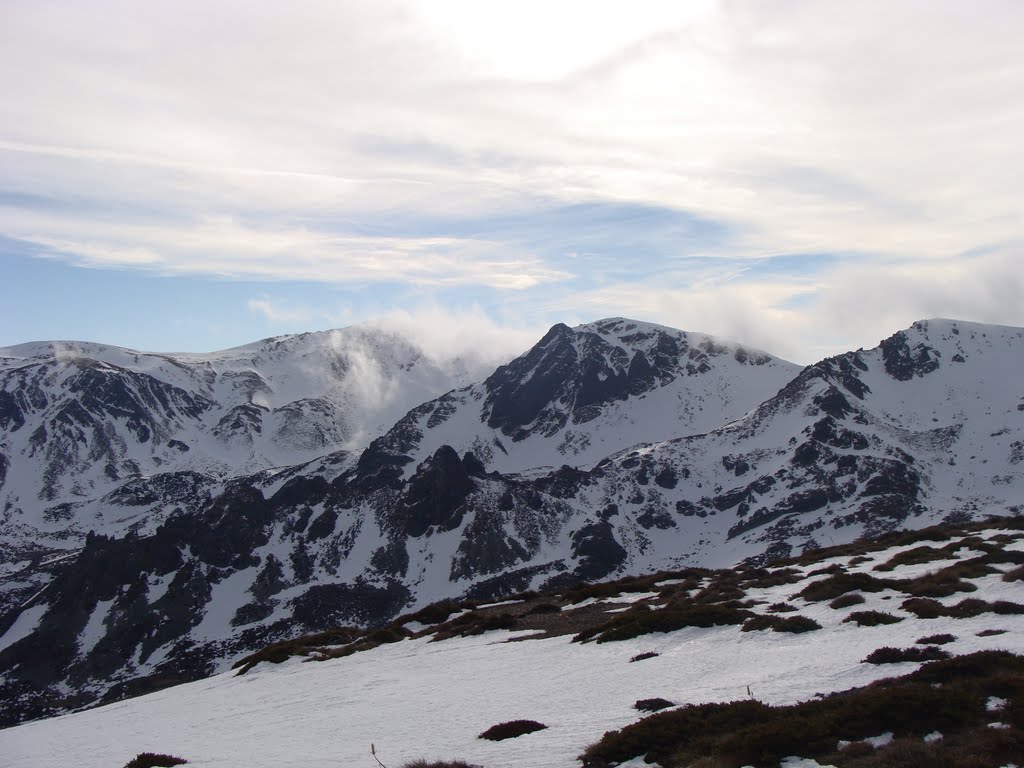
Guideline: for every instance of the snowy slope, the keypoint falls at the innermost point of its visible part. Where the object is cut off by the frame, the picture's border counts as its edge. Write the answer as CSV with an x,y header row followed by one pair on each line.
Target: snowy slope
x,y
417,699
927,426
79,420
584,393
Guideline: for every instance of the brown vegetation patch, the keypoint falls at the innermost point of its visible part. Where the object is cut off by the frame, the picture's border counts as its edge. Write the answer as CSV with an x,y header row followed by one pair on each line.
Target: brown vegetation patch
x,y
847,600
794,624
154,760
890,655
729,735
872,618
653,705
942,639
643,656
511,730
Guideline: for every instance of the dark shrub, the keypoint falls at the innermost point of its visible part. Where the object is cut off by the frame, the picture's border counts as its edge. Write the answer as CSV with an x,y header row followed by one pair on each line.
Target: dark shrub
x,y
154,760
797,625
1017,574
972,606
872,618
845,601
757,623
719,592
839,584
990,632
421,763
794,624
544,608
923,607
511,729
965,609
888,655
832,569
434,613
761,579
388,635
677,616
858,749
941,584
501,621
304,645
912,557
936,639
782,608
643,656
652,705
727,735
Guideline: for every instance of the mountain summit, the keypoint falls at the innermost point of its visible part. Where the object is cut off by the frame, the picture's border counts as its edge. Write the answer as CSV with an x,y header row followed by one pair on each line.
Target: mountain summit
x,y
583,393
609,449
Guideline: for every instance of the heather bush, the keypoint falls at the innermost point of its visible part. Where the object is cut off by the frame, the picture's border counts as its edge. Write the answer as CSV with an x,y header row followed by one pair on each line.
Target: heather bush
x,y
914,556
872,618
889,655
841,583
794,624
936,639
541,608
154,760
434,613
729,735
763,578
940,584
845,601
1017,574
828,571
923,607
634,623
653,705
643,656
511,730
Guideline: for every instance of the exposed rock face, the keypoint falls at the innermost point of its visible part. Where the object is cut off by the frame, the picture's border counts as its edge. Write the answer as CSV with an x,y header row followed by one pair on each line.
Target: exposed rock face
x,y
904,362
435,494
583,393
857,444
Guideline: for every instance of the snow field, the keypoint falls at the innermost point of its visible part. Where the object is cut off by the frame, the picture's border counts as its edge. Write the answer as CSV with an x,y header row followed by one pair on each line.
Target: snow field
x,y
417,699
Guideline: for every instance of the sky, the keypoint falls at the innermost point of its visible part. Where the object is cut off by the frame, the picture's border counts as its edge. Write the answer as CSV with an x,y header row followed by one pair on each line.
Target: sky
x,y
804,176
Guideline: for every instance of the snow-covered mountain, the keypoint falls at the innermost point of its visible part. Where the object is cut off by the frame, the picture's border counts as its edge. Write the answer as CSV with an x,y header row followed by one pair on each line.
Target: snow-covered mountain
x,y
927,426
79,421
416,696
584,393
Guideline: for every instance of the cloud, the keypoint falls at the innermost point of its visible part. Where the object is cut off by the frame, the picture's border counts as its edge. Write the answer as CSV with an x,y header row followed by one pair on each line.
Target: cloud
x,y
469,333
278,313
299,144
226,247
843,305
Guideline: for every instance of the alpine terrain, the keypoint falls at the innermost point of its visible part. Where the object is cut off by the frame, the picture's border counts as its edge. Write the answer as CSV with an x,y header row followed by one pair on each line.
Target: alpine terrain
x,y
609,449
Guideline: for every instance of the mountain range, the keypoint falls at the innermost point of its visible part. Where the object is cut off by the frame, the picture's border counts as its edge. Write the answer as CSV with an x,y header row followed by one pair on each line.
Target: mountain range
x,y
163,515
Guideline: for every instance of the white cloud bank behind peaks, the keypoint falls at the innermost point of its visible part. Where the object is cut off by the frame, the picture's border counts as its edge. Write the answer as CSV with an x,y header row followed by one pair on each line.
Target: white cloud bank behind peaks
x,y
423,143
